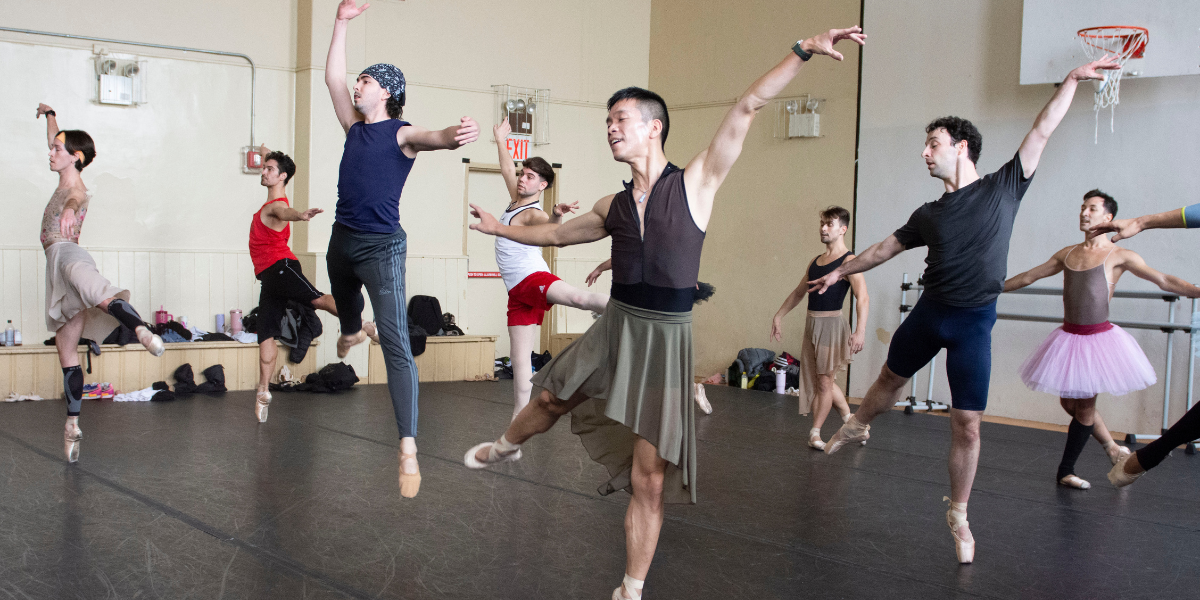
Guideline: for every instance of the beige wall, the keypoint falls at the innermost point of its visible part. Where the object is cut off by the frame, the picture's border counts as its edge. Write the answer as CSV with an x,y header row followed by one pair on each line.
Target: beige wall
x,y
1148,164
147,199
763,228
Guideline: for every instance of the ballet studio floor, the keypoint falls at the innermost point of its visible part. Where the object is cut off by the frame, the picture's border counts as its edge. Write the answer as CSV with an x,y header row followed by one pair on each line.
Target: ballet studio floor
x,y
195,499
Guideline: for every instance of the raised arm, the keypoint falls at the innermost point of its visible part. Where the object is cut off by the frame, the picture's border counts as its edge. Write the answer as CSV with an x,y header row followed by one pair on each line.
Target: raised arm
x,y
1042,271
791,301
508,169
1054,111
1188,216
705,173
1135,264
51,123
335,65
415,139
862,305
585,228
873,257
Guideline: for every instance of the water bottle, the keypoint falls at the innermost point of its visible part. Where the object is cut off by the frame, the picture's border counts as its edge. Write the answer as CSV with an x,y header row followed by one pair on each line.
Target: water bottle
x,y
745,381
780,375
9,334
17,338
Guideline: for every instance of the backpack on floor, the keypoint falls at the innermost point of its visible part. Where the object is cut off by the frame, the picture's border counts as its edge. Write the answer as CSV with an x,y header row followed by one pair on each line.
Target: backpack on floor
x,y
426,312
416,337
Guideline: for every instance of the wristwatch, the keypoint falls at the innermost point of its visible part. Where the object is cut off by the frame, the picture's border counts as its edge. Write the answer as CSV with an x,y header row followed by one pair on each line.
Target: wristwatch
x,y
801,52
50,113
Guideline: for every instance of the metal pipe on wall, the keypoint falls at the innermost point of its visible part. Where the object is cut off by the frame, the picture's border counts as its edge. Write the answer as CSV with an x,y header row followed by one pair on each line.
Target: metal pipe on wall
x,y
253,74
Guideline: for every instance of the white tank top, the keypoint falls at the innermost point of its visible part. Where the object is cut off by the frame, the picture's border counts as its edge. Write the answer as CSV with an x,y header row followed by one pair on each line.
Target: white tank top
x,y
516,260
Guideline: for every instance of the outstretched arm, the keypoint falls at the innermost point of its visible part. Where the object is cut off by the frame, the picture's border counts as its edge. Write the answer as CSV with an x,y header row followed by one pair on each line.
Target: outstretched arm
x,y
1042,271
1188,216
873,257
858,285
508,169
335,64
595,274
585,228
284,212
1169,283
418,139
51,123
1054,111
705,173
790,302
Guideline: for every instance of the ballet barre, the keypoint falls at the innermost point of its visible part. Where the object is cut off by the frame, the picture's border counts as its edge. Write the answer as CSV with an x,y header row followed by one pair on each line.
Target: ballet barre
x,y
1170,326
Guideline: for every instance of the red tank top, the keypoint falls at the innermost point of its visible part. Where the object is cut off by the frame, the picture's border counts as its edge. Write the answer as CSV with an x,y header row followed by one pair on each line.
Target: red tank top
x,y
268,246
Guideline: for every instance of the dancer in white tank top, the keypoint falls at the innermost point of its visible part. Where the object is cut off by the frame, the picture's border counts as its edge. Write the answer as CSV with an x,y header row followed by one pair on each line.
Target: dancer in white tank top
x,y
532,288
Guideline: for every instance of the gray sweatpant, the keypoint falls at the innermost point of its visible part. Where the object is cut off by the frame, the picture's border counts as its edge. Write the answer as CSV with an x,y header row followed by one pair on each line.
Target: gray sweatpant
x,y
355,259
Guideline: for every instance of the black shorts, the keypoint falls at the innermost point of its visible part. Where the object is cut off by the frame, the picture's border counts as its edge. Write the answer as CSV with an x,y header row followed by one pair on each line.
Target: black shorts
x,y
281,282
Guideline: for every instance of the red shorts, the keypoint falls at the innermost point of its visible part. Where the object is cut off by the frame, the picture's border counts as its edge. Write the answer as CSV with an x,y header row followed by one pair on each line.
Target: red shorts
x,y
527,303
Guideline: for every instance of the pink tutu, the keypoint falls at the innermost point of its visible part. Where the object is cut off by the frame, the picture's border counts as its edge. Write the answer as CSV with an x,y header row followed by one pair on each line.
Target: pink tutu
x,y
1081,366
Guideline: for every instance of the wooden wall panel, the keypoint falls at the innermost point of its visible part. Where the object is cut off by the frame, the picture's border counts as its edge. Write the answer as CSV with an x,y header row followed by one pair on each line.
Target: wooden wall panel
x,y
456,358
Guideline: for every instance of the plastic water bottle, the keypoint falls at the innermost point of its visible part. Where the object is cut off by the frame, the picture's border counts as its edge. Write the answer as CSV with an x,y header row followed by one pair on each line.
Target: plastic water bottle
x,y
780,375
745,381
17,338
9,335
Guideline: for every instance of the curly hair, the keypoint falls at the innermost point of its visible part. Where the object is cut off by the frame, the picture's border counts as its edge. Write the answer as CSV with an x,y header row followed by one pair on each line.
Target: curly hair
x,y
960,129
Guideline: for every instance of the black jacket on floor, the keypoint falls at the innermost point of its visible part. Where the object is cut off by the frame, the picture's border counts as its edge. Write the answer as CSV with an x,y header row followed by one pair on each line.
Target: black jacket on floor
x,y
300,327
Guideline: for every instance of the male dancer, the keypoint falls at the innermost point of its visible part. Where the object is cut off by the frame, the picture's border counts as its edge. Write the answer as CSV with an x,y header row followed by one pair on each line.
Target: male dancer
x,y
829,345
77,295
1088,355
532,288
967,231
277,268
1187,428
368,246
627,381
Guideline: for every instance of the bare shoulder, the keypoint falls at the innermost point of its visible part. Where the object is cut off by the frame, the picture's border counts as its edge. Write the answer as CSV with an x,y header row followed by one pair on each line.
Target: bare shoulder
x,y
1062,254
532,216
602,205
1125,255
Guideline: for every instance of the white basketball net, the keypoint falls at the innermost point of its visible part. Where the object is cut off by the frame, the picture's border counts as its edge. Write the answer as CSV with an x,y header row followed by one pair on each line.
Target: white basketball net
x,y
1121,43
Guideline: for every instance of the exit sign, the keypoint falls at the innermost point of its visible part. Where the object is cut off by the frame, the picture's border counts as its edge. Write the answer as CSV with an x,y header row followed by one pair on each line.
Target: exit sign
x,y
518,146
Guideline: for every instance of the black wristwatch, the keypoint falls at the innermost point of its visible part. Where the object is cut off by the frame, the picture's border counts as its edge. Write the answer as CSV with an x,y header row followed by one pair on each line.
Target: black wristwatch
x,y
801,52
50,113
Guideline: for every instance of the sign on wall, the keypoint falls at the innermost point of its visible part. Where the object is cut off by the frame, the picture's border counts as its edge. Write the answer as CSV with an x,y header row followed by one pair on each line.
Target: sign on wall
x,y
518,146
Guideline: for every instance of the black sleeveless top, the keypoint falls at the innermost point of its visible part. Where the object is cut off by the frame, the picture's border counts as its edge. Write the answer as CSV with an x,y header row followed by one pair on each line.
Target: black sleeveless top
x,y
657,272
835,296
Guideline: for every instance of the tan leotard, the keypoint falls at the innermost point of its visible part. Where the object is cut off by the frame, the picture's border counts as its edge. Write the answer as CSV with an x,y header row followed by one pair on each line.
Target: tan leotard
x,y
51,233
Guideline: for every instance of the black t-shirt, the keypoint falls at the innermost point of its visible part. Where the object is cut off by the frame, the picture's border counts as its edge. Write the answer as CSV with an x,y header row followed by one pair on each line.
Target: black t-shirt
x,y
967,232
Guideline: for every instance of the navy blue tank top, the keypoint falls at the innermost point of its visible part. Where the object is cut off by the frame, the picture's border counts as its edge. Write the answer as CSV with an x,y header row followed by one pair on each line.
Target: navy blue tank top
x,y
835,296
371,177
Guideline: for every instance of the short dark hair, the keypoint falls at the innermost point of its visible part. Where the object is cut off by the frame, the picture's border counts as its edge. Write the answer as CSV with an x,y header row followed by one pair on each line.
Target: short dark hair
x,y
77,140
652,106
539,165
286,165
836,212
959,130
395,106
1110,205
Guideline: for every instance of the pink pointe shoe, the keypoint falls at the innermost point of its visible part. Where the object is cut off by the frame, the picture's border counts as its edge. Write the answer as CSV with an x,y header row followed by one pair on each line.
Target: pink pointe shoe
x,y
72,439
956,518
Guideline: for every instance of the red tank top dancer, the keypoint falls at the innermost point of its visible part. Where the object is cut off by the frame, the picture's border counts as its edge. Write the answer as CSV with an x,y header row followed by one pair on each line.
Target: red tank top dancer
x,y
268,246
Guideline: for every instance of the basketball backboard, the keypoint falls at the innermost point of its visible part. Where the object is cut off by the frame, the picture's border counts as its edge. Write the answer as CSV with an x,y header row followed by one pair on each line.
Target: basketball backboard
x,y
1050,48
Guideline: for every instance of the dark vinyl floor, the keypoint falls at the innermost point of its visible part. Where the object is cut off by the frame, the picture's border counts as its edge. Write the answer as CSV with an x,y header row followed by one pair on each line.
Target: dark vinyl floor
x,y
195,499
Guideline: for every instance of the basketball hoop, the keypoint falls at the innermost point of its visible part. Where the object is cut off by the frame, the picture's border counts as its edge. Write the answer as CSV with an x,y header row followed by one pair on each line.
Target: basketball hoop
x,y
1122,42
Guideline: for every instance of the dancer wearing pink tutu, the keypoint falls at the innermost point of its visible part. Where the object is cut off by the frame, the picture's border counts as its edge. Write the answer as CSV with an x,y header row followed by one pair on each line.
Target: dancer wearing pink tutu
x,y
1088,355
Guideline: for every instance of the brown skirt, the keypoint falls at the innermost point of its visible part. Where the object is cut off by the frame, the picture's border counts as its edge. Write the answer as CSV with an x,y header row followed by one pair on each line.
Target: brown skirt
x,y
635,367
826,351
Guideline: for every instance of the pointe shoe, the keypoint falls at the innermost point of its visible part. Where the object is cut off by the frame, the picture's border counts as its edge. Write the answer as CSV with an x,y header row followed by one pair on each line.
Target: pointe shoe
x,y
493,457
1116,451
851,432
72,439
262,401
1118,477
346,342
847,418
371,331
619,594
814,440
410,483
1076,482
150,340
964,549
630,589
702,400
